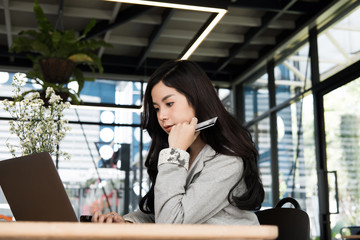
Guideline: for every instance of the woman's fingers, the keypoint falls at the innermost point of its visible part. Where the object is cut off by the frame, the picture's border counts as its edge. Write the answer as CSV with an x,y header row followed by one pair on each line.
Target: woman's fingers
x,y
194,122
107,218
95,216
118,219
102,218
182,135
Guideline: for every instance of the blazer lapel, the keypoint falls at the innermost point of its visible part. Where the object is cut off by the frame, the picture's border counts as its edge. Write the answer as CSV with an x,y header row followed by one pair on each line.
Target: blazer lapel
x,y
206,154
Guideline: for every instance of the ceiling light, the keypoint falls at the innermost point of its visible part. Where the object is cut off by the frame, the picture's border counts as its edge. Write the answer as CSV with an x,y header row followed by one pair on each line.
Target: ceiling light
x,y
186,5
203,35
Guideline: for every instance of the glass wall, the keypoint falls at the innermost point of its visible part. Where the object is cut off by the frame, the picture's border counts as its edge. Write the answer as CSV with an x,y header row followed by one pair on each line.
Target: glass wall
x,y
296,156
292,76
339,45
261,136
342,125
256,98
338,48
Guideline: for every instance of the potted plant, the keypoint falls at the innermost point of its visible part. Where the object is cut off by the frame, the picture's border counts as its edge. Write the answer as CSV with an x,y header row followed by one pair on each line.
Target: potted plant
x,y
56,55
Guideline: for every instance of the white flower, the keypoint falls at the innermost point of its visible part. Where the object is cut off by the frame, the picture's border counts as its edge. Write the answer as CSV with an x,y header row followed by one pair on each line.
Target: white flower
x,y
38,128
19,79
48,92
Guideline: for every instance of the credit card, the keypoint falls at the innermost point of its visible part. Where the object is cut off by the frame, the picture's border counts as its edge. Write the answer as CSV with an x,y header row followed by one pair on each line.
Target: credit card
x,y
205,124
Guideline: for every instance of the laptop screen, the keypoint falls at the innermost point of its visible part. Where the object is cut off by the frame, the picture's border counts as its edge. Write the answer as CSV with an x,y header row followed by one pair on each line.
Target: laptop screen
x,y
34,190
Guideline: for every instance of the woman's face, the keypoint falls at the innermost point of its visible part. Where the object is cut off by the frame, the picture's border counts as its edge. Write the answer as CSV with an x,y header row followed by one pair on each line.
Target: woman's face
x,y
171,106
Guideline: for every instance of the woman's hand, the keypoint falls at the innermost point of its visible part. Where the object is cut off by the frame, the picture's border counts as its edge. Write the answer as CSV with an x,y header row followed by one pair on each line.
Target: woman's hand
x,y
111,217
182,135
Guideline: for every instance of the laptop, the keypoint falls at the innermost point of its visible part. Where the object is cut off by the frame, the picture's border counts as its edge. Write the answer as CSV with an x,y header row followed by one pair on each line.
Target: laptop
x,y
34,190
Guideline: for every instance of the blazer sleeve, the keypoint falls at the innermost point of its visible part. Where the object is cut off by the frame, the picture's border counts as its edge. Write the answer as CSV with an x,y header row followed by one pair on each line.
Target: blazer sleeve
x,y
204,197
139,217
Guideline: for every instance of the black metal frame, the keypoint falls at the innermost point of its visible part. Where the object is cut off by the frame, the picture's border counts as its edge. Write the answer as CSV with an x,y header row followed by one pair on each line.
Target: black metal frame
x,y
273,133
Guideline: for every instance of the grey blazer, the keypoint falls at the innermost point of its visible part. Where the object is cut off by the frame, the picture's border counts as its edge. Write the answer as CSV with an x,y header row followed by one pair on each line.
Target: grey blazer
x,y
197,195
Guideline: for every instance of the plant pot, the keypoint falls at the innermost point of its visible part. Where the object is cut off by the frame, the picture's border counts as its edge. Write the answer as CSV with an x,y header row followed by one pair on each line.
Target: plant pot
x,y
57,70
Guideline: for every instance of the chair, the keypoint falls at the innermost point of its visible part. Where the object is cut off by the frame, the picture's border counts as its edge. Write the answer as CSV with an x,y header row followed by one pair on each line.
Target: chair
x,y
352,232
293,223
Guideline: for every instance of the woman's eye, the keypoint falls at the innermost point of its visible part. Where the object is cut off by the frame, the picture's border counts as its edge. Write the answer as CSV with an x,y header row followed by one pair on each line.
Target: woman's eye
x,y
156,109
169,104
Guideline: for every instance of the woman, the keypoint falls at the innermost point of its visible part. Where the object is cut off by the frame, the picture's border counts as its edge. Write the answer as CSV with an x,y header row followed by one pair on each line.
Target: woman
x,y
209,176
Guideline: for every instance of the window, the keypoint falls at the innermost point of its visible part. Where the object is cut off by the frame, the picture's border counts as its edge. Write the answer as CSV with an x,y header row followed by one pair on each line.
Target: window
x,y
339,45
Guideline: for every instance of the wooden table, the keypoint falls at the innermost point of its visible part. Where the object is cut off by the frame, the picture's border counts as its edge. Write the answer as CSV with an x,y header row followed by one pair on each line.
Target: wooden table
x,y
350,236
92,231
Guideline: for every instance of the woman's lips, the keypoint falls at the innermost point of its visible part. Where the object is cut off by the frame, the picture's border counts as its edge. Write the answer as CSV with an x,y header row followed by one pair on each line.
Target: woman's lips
x,y
168,128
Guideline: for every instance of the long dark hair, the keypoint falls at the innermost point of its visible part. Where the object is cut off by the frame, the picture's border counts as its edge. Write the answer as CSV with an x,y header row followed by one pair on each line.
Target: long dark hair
x,y
227,137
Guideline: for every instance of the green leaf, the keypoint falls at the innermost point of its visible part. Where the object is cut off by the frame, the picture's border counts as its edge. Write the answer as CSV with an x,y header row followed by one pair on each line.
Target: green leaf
x,y
81,58
79,76
43,24
39,47
56,37
88,27
97,62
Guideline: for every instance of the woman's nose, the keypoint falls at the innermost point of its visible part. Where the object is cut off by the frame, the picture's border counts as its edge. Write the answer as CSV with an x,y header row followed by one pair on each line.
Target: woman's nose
x,y
163,115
